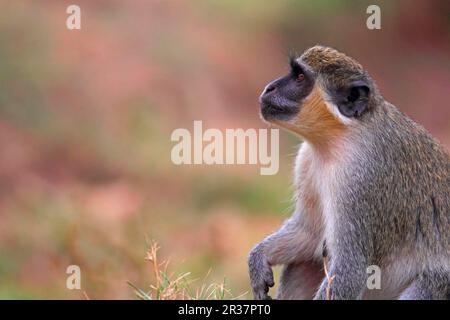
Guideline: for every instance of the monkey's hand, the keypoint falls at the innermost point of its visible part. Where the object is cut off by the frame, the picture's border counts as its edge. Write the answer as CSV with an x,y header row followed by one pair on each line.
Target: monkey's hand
x,y
261,275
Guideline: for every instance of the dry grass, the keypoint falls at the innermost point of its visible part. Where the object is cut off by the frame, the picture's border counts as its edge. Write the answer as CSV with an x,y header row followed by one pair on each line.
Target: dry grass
x,y
170,286
330,279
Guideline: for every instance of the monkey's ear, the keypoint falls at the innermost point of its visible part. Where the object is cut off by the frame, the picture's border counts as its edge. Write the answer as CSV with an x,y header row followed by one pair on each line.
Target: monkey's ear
x,y
353,99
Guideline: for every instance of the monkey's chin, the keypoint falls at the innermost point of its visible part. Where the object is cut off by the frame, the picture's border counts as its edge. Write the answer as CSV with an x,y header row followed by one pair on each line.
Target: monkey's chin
x,y
289,125
275,115
275,122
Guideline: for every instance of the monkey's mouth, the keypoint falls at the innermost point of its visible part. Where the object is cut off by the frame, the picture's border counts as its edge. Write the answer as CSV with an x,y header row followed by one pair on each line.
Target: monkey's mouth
x,y
275,112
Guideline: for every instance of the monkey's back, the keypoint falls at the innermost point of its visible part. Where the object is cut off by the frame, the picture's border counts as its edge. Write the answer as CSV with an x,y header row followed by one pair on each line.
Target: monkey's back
x,y
404,174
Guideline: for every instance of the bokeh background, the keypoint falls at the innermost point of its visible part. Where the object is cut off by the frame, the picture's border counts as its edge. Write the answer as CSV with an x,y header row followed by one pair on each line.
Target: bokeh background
x,y
86,118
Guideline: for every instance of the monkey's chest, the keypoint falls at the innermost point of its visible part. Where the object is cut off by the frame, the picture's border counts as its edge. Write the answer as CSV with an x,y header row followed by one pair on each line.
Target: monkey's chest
x,y
317,200
320,188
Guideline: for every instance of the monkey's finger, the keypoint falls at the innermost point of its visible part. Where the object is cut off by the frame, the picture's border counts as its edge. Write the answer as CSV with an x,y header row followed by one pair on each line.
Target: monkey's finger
x,y
269,278
261,295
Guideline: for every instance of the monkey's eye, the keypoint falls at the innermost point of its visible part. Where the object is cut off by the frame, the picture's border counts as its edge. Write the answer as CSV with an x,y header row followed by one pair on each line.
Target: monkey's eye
x,y
300,77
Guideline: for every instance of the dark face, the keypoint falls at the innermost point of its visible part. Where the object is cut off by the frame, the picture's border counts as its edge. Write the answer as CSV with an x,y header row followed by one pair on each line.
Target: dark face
x,y
282,98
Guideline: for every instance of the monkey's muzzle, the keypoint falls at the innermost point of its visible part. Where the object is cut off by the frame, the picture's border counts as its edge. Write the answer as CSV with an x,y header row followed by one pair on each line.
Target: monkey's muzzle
x,y
273,107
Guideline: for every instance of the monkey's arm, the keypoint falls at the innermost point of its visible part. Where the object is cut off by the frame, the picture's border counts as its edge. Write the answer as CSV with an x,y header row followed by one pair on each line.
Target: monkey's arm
x,y
351,250
292,242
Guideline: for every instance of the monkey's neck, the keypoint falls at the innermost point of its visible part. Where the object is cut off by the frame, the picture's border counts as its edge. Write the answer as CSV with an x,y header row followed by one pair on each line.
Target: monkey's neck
x,y
318,125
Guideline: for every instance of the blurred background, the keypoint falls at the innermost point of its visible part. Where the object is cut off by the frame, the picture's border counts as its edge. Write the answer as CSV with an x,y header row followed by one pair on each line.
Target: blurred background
x,y
86,118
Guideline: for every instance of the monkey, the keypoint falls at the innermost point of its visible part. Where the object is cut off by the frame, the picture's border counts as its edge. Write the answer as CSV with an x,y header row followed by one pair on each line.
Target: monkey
x,y
372,187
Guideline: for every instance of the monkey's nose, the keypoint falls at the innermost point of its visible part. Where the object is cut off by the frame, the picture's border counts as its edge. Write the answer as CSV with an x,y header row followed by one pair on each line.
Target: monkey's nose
x,y
265,94
269,89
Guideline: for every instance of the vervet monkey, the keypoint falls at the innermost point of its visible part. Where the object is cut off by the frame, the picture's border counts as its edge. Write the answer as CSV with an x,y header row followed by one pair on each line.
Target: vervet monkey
x,y
370,183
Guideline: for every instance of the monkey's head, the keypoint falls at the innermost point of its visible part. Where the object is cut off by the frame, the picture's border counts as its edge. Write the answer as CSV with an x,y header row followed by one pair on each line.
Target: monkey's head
x,y
324,93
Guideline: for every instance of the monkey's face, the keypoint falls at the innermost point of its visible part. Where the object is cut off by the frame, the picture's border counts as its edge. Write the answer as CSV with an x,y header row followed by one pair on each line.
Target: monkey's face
x,y
313,103
282,98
